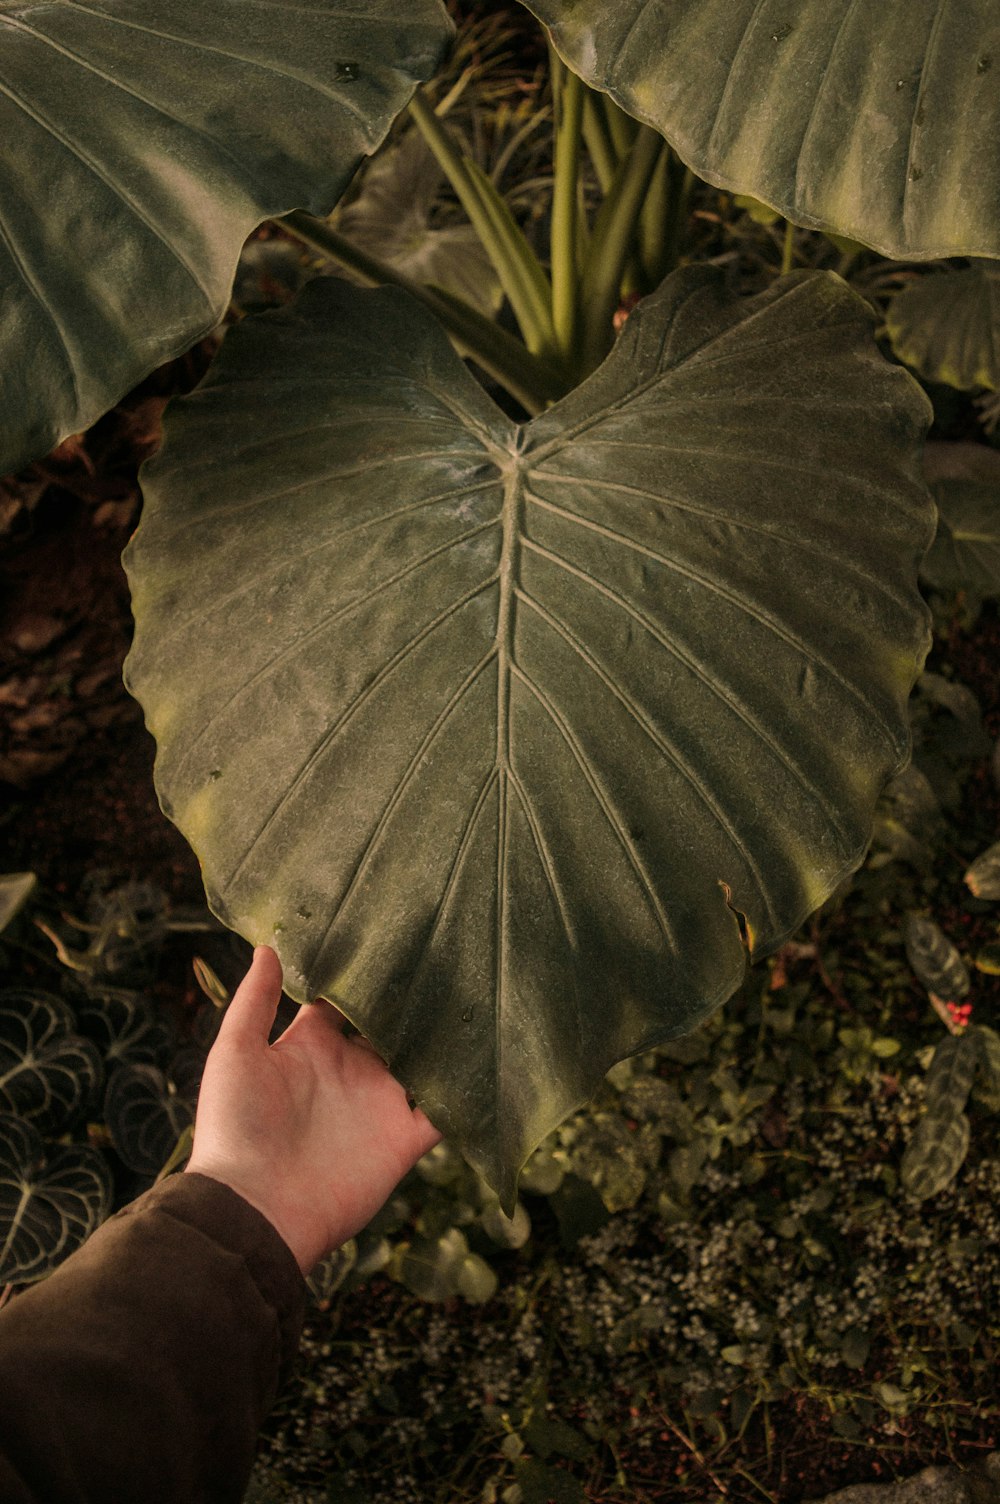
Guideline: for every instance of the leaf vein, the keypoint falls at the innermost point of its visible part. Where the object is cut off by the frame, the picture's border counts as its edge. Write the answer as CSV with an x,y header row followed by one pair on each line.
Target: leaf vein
x,y
665,748
330,735
606,806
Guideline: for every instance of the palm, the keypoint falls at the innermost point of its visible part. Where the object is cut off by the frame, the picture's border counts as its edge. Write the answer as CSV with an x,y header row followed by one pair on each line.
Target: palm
x,y
312,1129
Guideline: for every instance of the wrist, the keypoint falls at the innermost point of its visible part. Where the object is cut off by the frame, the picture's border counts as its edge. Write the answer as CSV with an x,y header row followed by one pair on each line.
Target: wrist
x,y
303,1238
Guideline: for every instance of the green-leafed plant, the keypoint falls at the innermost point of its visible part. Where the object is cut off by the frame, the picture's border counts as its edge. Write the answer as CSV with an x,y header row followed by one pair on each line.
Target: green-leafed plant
x,y
966,1063
965,555
514,728
96,1090
945,326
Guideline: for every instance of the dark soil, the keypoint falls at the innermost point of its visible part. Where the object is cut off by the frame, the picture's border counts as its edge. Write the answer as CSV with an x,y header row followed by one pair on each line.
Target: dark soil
x,y
76,787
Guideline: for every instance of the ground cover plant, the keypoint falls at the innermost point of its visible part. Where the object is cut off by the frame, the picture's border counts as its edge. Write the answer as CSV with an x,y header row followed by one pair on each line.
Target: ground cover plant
x,y
834,1124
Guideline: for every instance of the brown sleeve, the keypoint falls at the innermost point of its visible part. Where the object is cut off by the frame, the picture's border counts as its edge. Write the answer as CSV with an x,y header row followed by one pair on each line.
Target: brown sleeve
x,y
143,1367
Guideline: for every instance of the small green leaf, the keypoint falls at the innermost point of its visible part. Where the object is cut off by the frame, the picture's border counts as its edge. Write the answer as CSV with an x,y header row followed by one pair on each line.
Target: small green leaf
x,y
935,1154
328,1276
475,1280
429,1267
965,554
761,214
547,1434
441,1165
949,1078
51,1200
15,890
987,958
393,217
543,1173
983,877
542,1483
935,961
891,1397
686,1164
509,1232
855,1347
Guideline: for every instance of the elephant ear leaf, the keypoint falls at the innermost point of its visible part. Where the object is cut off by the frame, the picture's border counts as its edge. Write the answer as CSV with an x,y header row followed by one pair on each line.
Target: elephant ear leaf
x,y
946,325
51,1200
875,121
965,482
149,145
514,739
47,1072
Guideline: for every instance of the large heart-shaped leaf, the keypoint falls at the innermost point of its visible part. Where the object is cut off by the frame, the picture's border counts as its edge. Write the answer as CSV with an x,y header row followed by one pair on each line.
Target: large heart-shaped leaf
x,y
481,725
51,1200
946,326
149,143
47,1072
877,121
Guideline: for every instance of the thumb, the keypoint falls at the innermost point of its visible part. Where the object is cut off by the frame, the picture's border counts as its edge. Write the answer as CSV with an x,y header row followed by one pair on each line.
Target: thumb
x,y
251,1013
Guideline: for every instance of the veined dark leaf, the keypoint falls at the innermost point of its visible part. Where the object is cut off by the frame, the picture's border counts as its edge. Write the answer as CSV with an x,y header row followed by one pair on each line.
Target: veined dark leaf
x,y
47,1072
876,121
935,1154
149,143
124,1026
987,1087
949,1077
934,959
493,731
945,325
146,1115
51,1200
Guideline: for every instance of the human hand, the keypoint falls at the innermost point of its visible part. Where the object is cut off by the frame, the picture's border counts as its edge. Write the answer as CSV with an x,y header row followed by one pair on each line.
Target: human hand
x,y
313,1130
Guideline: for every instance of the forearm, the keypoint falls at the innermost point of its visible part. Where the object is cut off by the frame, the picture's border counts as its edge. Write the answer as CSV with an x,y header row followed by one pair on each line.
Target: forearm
x,y
143,1367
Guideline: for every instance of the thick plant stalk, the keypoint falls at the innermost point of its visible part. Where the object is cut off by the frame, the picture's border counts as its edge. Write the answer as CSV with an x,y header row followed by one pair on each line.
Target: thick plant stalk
x,y
664,215
612,243
566,224
653,219
597,139
533,381
621,127
788,249
520,273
